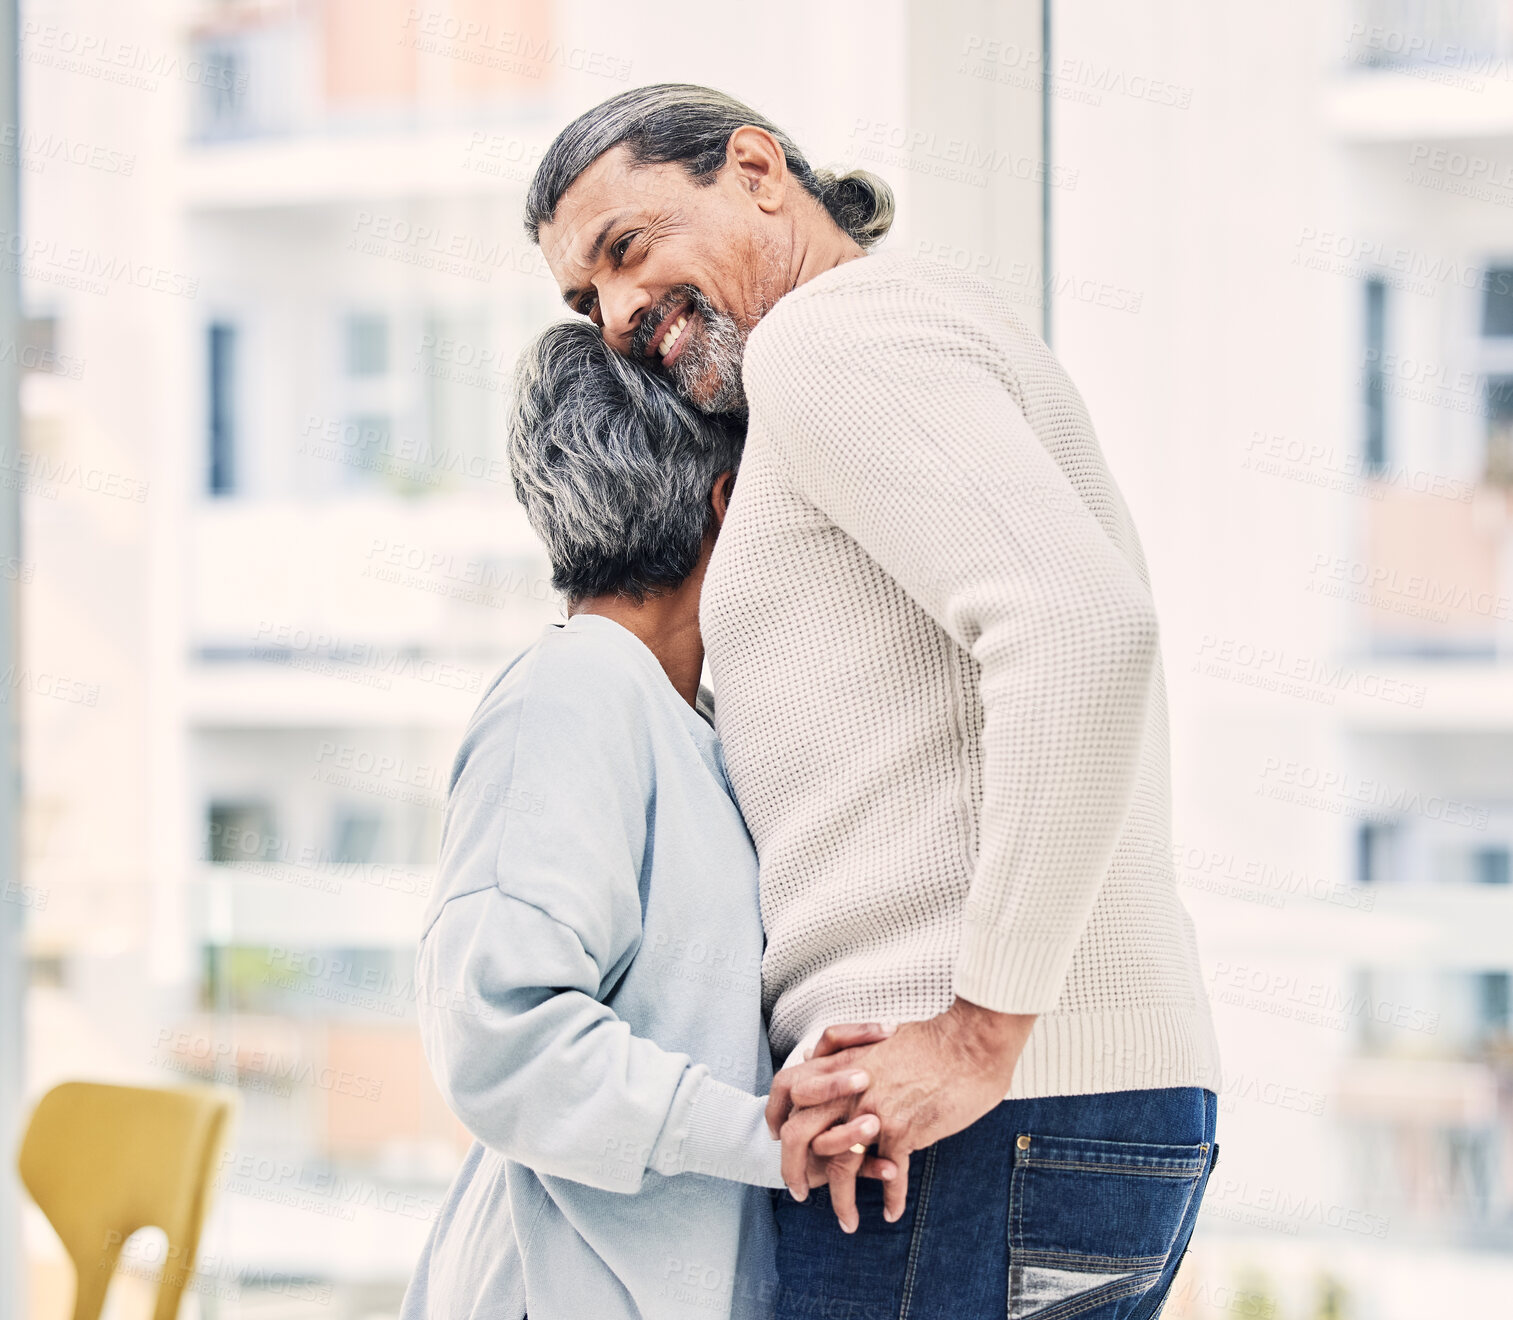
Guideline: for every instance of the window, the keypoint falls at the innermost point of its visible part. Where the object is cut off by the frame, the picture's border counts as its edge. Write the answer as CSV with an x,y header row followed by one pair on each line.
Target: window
x,y
1374,845
1490,866
367,346
1376,384
357,835
1493,1003
1499,407
221,356
240,832
1497,309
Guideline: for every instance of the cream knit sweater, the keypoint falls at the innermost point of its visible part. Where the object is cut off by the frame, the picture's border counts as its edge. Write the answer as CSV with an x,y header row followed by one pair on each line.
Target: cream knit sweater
x,y
939,689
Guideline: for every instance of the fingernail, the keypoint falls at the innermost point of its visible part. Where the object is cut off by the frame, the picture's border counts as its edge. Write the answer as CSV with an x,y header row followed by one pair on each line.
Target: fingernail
x,y
888,1175
848,1228
887,1028
858,1081
891,1216
868,1124
798,1193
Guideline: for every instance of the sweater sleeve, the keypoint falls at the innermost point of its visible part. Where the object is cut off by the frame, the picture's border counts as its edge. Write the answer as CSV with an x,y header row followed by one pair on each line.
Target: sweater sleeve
x,y
541,856
541,1071
896,418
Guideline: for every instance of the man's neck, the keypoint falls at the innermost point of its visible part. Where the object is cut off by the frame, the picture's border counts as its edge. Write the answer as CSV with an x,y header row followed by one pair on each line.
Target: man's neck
x,y
668,625
821,245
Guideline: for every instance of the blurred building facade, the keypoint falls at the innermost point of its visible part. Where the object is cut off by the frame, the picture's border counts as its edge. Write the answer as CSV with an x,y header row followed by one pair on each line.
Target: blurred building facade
x,y
276,281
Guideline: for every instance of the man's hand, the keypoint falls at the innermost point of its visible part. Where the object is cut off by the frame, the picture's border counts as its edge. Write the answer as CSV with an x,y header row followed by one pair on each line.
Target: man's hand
x,y
929,1080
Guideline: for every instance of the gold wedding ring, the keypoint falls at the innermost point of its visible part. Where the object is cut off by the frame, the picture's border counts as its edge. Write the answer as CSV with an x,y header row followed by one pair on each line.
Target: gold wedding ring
x,y
858,1149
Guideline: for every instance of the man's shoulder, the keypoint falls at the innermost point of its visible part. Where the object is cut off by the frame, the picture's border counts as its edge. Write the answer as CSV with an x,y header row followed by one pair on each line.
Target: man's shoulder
x,y
858,297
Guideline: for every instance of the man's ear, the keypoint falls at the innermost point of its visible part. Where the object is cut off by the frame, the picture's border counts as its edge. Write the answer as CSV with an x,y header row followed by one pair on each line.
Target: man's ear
x,y
719,496
758,164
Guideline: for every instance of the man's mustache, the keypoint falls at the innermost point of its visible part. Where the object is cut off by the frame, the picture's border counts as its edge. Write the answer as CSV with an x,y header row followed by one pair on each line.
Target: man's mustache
x,y
640,340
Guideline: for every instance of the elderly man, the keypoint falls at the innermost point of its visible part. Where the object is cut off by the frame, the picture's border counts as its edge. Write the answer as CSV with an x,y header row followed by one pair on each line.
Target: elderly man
x,y
939,689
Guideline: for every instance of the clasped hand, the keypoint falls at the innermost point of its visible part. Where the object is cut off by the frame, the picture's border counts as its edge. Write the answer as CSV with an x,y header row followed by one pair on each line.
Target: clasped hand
x,y
898,1089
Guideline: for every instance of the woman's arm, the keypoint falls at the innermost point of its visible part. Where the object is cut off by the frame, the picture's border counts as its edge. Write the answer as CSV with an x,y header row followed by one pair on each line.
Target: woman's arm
x,y
542,854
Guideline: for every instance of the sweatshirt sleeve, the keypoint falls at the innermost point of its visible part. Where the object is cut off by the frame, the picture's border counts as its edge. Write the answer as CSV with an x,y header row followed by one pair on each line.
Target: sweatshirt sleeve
x,y
541,856
897,418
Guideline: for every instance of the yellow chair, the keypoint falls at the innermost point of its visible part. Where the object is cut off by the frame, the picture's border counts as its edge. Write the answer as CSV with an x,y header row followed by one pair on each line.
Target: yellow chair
x,y
104,1161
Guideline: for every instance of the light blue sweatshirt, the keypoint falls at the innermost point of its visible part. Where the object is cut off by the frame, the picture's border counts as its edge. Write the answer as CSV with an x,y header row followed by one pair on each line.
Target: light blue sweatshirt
x,y
589,986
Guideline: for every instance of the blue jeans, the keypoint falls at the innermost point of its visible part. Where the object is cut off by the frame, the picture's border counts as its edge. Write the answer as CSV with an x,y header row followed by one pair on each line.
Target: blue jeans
x,y
1068,1206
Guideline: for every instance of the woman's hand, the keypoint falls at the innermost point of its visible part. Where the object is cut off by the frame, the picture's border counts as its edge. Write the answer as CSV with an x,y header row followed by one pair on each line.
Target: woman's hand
x,y
826,1078
829,1071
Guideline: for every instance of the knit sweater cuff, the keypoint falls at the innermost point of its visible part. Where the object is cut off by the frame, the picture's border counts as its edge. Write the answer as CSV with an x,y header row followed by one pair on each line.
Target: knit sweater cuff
x,y
718,1130
1010,975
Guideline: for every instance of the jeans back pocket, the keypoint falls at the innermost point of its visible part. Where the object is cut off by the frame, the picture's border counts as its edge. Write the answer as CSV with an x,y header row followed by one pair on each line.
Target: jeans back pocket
x,y
1092,1224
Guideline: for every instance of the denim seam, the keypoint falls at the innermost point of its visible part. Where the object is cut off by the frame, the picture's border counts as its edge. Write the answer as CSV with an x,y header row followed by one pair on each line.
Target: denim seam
x,y
1124,1170
921,1207
1094,1264
1199,1187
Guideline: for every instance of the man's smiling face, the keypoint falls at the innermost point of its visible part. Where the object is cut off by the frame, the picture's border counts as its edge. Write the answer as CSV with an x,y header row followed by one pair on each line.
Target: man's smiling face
x,y
675,271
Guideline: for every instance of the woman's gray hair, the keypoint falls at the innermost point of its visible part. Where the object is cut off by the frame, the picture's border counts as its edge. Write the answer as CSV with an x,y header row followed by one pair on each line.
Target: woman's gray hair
x,y
692,125
613,468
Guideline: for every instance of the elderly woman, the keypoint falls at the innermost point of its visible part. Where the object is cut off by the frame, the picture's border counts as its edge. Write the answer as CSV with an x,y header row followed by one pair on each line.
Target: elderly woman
x,y
590,967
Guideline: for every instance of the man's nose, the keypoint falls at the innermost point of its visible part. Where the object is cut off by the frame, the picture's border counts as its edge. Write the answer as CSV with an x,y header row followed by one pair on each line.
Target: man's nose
x,y
622,307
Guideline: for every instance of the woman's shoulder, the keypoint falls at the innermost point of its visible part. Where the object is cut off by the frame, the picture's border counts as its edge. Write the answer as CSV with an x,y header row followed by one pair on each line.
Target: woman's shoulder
x,y
574,689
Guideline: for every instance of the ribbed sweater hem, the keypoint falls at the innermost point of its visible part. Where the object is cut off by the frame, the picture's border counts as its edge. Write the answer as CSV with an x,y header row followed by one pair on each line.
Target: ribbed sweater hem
x,y
1136,1049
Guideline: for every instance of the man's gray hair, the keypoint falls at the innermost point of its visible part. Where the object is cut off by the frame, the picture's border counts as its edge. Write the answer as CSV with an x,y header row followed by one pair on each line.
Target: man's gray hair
x,y
613,468
691,125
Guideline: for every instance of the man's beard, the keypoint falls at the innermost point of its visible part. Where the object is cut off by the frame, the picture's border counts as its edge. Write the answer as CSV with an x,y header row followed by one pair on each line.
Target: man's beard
x,y
708,371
